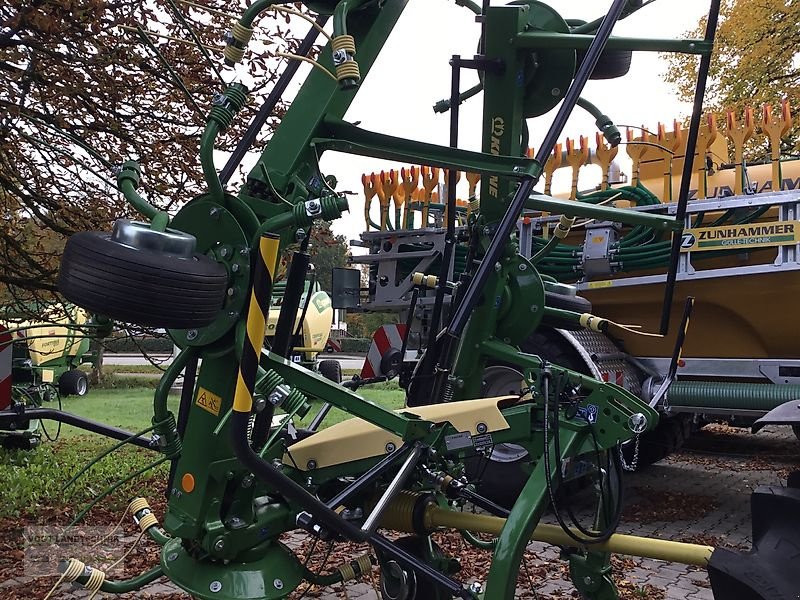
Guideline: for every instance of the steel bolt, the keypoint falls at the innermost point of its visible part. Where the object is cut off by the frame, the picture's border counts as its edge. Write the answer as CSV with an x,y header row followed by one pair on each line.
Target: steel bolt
x,y
219,545
482,428
588,580
215,586
278,584
235,268
517,169
231,292
497,266
191,334
555,91
534,308
214,213
475,587
172,556
248,480
390,447
312,464
523,267
223,252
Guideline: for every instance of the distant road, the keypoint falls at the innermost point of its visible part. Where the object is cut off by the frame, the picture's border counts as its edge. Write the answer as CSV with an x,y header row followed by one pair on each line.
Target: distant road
x,y
348,361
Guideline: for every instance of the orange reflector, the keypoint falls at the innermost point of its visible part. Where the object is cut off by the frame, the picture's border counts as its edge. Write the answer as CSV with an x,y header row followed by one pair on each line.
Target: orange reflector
x,y
187,483
681,363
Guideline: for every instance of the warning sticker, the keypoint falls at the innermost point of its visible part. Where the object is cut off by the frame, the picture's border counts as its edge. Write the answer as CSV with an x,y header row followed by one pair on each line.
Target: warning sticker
x,y
751,235
208,401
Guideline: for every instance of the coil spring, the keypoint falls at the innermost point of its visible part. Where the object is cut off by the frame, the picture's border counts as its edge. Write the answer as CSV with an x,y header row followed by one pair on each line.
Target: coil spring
x,y
295,400
168,430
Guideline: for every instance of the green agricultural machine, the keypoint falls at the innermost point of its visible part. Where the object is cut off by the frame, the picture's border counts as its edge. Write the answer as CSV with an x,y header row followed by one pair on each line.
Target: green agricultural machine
x,y
238,482
39,364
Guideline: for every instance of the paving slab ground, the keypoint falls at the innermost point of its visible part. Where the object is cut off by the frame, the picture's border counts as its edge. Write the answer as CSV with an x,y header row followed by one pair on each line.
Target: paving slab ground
x,y
700,495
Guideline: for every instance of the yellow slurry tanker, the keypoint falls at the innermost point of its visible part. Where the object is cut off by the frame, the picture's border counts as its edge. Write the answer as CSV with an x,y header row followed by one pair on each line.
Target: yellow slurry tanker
x,y
739,261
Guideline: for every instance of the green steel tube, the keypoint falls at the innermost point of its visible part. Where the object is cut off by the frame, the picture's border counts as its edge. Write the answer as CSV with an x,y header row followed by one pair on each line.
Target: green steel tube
x,y
475,541
158,535
573,41
158,218
545,251
340,15
249,15
127,585
207,161
582,209
470,5
726,395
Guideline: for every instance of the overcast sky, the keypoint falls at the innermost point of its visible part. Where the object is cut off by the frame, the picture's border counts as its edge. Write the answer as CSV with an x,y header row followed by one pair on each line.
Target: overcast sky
x,y
413,72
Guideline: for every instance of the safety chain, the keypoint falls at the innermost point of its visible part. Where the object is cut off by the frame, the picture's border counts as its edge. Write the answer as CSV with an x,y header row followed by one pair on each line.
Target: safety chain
x,y
635,462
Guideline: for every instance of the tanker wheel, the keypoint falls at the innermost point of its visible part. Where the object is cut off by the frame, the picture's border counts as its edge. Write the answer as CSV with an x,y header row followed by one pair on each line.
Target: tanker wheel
x,y
145,277
73,383
330,369
654,446
502,477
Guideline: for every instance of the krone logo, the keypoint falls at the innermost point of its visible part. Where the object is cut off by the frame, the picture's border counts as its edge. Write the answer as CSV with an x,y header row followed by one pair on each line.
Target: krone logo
x,y
498,126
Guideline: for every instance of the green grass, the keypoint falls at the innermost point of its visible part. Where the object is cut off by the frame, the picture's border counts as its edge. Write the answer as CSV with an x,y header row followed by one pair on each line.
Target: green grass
x,y
132,408
33,481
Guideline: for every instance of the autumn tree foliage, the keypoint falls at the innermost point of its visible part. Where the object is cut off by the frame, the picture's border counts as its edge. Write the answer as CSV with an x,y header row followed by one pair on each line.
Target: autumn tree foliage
x,y
84,87
756,60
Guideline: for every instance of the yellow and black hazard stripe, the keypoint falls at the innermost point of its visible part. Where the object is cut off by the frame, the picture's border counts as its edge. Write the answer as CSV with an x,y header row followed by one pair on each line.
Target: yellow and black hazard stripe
x,y
258,310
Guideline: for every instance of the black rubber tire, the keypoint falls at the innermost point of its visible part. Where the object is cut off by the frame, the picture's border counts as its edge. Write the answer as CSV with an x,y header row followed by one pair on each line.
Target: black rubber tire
x,y
669,436
330,369
141,286
73,383
502,482
796,430
612,64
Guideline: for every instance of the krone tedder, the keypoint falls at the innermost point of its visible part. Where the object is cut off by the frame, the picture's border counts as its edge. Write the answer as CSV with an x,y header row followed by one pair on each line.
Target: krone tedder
x,y
237,483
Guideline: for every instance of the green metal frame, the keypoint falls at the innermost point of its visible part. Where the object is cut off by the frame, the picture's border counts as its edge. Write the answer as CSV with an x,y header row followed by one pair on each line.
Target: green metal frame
x,y
225,527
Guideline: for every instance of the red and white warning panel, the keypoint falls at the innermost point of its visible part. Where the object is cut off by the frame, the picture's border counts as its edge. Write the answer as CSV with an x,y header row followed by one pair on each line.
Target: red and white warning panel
x,y
384,358
6,349
617,377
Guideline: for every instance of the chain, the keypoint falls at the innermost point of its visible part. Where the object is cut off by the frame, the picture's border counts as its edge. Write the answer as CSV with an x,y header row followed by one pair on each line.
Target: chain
x,y
635,462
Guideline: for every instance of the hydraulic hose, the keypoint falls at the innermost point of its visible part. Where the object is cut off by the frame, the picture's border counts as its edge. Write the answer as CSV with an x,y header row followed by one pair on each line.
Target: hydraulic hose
x,y
128,181
603,122
737,396
207,162
127,585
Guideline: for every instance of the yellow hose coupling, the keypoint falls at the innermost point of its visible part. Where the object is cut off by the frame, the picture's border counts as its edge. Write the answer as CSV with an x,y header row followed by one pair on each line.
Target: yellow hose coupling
x,y
429,281
564,225
241,33
233,54
356,568
590,321
148,519
343,48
